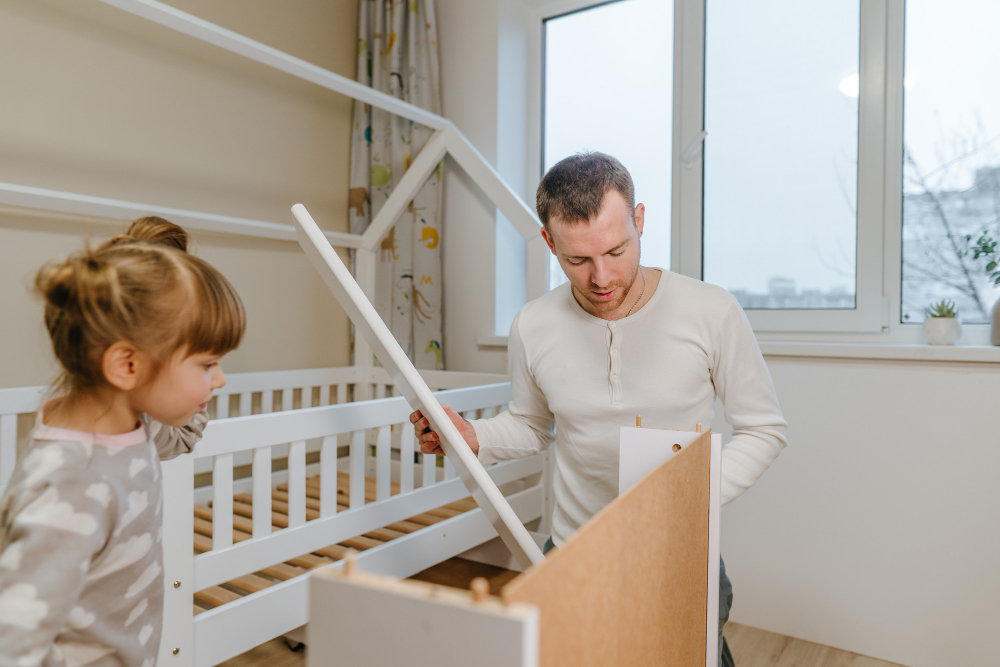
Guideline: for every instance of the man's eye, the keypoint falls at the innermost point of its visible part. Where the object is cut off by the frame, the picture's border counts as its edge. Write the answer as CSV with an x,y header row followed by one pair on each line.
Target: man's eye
x,y
618,254
209,366
572,263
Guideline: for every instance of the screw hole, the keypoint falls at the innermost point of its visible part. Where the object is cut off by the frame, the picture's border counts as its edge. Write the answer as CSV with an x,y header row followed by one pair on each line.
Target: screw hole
x,y
676,447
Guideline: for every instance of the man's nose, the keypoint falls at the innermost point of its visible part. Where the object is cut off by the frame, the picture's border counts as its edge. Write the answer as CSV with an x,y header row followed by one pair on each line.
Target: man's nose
x,y
601,275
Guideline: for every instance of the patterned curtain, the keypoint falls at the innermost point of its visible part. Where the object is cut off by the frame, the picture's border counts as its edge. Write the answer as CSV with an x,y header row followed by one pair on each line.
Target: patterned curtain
x,y
397,54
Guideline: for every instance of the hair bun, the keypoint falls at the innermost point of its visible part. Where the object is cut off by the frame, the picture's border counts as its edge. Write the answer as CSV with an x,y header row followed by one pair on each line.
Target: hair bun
x,y
57,284
154,229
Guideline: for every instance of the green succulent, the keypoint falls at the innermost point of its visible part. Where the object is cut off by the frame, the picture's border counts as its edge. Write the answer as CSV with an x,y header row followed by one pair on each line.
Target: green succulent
x,y
944,308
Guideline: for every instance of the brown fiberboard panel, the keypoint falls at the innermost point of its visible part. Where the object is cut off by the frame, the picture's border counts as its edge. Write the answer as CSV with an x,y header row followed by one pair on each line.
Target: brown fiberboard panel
x,y
629,587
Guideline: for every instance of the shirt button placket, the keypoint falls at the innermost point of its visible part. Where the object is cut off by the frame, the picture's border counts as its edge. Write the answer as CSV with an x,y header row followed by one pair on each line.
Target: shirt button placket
x,y
616,390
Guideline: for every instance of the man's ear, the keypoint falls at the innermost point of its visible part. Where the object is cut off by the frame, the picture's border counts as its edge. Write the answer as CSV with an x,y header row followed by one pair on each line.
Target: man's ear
x,y
640,214
548,240
122,365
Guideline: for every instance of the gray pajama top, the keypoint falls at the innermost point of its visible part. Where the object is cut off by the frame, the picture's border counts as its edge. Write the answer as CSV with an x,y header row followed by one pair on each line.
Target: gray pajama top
x,y
81,556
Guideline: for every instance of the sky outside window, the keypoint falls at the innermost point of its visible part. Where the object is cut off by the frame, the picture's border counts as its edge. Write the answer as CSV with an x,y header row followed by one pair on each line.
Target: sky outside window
x,y
609,88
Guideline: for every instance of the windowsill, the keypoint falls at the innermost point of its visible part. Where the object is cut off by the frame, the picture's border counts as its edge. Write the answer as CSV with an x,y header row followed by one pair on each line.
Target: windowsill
x,y
491,341
891,351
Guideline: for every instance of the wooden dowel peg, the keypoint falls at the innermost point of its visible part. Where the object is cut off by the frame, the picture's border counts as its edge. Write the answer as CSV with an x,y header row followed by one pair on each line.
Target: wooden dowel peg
x,y
480,589
697,427
351,563
638,421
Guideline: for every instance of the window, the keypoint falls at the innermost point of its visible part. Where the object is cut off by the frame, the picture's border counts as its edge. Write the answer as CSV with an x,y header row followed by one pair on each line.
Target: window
x,y
608,87
951,155
781,152
832,163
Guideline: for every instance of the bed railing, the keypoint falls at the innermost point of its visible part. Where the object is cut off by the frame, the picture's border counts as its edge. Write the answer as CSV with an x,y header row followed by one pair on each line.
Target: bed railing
x,y
245,394
224,631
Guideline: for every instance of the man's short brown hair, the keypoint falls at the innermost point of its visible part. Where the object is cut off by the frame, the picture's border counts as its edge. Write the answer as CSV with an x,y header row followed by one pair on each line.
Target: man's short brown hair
x,y
574,188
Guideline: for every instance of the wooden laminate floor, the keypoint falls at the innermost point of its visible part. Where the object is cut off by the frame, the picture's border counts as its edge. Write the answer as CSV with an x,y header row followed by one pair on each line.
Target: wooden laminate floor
x,y
751,647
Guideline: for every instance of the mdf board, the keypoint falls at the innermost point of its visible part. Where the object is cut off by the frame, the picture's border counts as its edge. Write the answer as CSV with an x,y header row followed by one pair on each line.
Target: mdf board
x,y
629,587
365,620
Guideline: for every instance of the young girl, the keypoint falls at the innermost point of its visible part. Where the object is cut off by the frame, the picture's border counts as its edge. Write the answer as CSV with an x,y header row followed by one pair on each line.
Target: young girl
x,y
139,329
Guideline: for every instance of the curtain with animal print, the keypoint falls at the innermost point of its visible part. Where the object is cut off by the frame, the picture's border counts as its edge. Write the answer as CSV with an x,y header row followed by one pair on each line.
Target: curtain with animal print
x,y
397,54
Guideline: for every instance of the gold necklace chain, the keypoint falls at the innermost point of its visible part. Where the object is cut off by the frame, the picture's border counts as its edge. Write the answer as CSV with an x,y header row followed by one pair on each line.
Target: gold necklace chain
x,y
641,292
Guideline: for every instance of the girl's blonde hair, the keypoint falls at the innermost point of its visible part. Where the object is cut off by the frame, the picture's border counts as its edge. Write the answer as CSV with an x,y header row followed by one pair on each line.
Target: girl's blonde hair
x,y
154,296
154,229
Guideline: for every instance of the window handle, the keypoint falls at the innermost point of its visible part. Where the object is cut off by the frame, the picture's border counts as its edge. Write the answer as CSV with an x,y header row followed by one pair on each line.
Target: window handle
x,y
693,150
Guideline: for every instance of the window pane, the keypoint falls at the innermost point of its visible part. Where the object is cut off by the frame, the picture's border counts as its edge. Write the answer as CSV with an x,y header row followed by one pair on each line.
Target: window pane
x,y
781,112
609,88
951,162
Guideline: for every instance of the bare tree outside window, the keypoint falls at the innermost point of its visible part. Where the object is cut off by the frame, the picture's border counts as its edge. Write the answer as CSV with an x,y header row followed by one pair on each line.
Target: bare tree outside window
x,y
951,161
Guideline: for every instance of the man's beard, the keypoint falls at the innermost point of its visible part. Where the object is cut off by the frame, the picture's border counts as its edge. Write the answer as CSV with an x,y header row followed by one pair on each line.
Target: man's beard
x,y
610,306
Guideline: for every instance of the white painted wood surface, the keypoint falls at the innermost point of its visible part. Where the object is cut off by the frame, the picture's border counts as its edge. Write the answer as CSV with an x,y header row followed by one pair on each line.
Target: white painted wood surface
x,y
261,491
26,196
365,620
222,502
407,380
228,630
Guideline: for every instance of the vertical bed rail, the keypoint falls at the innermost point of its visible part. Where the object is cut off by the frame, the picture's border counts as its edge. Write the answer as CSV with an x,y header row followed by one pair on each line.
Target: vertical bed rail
x,y
328,476
383,463
261,473
297,483
357,469
177,644
406,445
222,501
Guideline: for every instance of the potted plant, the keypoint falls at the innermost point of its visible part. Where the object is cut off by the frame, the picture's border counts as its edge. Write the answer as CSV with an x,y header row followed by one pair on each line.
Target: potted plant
x,y
941,326
985,247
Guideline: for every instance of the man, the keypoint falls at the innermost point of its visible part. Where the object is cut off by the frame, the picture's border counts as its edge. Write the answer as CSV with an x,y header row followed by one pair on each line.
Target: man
x,y
620,340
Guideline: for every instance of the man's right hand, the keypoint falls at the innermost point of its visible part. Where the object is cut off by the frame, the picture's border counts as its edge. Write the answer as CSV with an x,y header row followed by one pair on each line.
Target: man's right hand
x,y
430,441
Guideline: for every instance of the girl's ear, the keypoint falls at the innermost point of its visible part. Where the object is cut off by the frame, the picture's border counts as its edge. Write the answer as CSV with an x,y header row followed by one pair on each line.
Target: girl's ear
x,y
122,365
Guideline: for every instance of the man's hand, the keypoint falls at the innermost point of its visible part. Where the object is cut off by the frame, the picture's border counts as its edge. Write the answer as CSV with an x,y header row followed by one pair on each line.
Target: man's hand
x,y
430,441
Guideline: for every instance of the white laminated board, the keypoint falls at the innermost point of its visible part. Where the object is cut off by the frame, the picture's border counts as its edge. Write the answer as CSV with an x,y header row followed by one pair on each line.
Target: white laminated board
x,y
404,375
365,620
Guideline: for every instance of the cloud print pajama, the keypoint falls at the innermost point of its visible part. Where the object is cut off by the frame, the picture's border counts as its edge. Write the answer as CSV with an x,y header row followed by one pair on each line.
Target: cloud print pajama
x,y
81,556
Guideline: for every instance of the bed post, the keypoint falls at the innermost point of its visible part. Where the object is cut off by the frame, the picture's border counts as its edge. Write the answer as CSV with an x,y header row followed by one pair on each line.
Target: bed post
x,y
177,643
366,265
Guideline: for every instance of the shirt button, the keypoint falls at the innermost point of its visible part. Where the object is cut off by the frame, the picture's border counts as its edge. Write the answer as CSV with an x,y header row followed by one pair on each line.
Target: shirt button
x,y
614,351
612,325
614,378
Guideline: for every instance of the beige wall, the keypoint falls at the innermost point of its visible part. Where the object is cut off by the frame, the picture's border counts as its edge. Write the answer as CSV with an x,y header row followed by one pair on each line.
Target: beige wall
x,y
96,101
875,531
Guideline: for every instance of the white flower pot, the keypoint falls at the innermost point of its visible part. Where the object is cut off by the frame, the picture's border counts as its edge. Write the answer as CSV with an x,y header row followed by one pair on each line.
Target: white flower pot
x,y
942,330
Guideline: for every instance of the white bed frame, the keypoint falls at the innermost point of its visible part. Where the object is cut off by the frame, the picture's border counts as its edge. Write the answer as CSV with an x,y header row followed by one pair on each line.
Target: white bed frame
x,y
258,439
313,416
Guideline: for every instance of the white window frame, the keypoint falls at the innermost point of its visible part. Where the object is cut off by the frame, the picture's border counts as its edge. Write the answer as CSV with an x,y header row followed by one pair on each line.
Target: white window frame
x,y
869,313
877,315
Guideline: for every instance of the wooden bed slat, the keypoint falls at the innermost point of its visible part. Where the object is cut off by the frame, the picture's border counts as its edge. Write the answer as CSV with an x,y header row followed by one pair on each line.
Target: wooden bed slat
x,y
274,507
